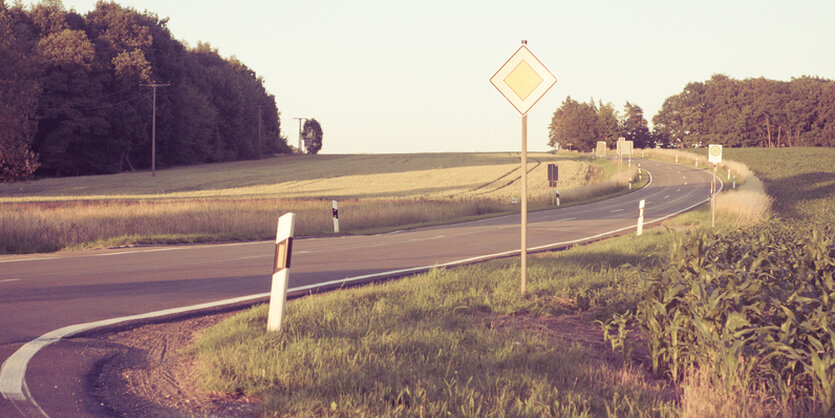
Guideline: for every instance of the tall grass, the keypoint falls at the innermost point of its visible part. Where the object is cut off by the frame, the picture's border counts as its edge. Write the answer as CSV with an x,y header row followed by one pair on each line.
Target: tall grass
x,y
801,180
746,204
44,227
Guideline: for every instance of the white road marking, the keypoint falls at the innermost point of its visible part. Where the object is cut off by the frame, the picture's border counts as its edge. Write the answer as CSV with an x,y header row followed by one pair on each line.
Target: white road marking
x,y
425,239
137,251
616,210
9,280
678,190
566,219
255,256
667,196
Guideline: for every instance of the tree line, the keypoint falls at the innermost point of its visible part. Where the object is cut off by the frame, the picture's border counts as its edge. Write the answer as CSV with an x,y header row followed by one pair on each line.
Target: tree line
x,y
75,95
754,112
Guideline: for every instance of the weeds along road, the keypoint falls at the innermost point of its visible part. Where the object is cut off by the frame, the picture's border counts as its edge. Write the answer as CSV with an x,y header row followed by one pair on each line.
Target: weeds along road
x,y
52,297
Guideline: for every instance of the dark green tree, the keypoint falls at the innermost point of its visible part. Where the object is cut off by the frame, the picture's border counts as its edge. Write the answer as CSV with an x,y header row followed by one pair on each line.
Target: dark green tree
x,y
84,76
19,90
312,136
607,121
575,126
634,126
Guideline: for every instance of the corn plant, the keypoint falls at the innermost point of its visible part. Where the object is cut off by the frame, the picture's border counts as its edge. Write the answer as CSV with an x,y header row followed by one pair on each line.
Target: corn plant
x,y
755,306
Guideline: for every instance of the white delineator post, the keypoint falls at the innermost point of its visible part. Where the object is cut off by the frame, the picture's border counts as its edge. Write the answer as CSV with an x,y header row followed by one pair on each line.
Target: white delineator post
x,y
281,271
335,218
641,217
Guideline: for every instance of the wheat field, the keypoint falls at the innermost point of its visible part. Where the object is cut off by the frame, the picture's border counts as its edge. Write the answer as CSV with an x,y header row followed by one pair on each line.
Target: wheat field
x,y
241,200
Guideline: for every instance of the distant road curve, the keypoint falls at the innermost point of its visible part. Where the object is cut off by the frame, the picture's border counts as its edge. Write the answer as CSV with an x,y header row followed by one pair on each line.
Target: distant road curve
x,y
47,298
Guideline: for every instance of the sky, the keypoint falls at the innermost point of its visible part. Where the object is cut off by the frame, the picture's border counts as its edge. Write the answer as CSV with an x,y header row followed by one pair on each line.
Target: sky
x,y
391,76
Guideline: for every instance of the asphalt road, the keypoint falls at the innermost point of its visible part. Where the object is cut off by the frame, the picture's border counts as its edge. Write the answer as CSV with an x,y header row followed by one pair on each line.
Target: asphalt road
x,y
42,295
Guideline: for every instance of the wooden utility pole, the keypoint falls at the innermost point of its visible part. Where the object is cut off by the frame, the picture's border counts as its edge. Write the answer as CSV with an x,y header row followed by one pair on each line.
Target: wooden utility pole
x,y
259,130
154,127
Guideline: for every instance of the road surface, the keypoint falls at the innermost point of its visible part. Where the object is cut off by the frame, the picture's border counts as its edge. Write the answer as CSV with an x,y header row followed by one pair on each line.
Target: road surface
x,y
47,297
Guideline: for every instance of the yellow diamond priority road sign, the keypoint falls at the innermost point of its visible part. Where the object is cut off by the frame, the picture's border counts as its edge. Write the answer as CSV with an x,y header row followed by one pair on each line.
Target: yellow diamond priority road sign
x,y
523,80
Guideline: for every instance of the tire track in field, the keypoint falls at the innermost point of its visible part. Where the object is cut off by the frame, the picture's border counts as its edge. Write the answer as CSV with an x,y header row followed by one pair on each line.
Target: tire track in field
x,y
505,185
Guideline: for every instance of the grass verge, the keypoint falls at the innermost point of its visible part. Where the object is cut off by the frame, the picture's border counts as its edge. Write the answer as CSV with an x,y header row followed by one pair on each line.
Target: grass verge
x,y
460,342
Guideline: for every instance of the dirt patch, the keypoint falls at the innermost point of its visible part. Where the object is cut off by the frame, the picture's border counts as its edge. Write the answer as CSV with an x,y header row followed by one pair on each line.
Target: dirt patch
x,y
149,376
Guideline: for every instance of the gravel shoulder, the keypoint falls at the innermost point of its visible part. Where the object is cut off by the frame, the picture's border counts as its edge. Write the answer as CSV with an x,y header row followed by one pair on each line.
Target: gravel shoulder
x,y
147,374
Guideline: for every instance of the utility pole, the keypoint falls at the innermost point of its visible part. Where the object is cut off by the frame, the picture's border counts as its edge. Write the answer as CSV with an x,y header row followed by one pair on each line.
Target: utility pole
x,y
154,127
300,133
259,131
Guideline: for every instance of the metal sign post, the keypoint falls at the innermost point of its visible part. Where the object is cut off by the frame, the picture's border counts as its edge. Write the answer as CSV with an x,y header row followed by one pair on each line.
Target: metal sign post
x,y
553,175
714,155
523,80
281,271
713,198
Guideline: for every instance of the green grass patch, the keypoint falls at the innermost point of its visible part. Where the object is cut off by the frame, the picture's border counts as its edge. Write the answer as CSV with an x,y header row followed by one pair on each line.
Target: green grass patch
x,y
801,180
460,342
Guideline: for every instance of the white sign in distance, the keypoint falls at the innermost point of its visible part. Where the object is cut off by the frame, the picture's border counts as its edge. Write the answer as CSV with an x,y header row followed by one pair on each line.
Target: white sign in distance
x,y
714,154
523,80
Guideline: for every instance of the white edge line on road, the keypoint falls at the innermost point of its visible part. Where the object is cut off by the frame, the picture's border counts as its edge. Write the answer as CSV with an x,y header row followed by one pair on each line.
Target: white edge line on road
x,y
13,371
135,251
9,280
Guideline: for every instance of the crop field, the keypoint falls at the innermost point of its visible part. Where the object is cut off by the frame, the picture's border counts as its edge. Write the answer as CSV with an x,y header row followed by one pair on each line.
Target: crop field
x,y
323,177
731,321
241,200
801,180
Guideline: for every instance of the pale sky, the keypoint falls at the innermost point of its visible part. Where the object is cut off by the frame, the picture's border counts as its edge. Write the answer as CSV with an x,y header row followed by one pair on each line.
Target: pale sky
x,y
413,76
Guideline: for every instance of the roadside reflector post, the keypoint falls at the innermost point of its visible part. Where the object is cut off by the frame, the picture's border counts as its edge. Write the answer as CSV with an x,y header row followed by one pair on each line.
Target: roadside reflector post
x,y
676,159
640,176
335,217
734,183
641,217
281,271
557,191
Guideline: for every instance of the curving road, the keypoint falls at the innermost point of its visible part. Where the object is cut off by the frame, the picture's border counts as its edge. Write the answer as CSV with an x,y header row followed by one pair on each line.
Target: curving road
x,y
46,298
